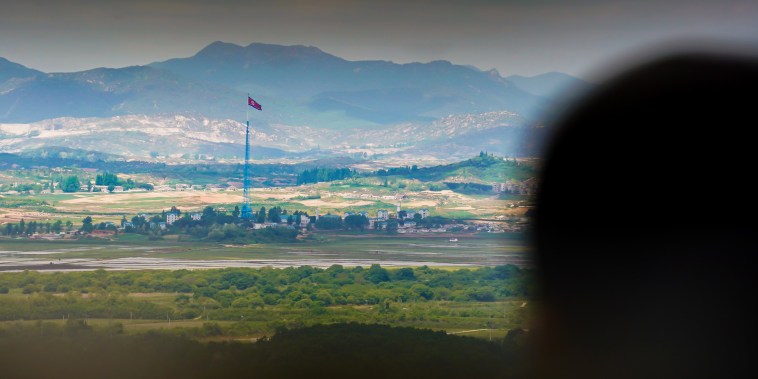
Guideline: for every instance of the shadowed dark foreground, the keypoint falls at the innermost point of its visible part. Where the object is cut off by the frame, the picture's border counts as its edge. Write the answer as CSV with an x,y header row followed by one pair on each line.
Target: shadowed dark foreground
x,y
334,351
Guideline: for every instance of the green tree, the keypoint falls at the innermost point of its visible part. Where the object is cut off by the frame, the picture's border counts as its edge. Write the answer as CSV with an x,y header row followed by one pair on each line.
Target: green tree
x,y
423,291
378,274
209,215
261,216
70,184
87,225
405,273
391,227
274,214
107,179
354,222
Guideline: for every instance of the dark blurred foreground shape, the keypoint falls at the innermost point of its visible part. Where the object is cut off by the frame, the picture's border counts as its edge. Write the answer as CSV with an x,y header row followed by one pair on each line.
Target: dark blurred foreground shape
x,y
645,225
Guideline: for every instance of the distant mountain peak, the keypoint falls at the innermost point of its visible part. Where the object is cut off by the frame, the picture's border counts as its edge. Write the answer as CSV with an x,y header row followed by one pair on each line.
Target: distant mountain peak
x,y
219,47
298,85
9,70
281,48
440,62
261,50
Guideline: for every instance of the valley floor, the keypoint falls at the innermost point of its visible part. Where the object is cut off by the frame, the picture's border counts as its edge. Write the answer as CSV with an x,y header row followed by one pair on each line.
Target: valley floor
x,y
130,252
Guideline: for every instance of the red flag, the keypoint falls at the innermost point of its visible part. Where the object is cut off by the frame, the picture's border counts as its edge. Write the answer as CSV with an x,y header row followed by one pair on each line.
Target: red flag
x,y
254,104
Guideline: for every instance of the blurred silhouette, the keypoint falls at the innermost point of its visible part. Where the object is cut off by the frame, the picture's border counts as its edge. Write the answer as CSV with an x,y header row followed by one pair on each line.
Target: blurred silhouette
x,y
644,226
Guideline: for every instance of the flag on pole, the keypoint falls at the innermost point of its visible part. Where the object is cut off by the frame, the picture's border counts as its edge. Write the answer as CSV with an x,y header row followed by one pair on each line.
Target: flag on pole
x,y
254,104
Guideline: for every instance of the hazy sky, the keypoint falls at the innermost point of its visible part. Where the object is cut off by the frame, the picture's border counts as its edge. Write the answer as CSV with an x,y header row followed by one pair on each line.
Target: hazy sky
x,y
515,37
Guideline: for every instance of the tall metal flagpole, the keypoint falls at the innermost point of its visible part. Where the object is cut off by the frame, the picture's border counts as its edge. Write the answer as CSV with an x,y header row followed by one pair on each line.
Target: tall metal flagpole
x,y
247,211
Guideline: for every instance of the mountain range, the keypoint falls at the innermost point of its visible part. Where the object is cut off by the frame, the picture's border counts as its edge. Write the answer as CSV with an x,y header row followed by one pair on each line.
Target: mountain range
x,y
311,100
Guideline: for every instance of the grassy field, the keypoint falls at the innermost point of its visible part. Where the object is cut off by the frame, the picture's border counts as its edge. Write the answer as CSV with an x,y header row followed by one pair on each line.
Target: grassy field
x,y
475,319
334,199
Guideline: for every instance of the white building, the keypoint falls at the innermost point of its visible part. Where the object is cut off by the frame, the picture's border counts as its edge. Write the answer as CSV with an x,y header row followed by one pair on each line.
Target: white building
x,y
196,216
424,213
383,214
171,218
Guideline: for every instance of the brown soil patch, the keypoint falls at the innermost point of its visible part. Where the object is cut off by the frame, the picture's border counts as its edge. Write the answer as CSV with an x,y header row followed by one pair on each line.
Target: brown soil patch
x,y
327,204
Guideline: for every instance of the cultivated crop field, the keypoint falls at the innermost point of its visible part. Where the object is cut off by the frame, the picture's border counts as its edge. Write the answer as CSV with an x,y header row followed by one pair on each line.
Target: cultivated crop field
x,y
334,199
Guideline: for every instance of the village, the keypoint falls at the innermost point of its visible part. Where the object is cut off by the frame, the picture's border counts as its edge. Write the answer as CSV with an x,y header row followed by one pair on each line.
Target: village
x,y
331,211
401,222
409,221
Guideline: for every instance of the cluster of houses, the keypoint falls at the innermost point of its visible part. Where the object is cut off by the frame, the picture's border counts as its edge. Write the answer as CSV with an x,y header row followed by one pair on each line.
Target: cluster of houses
x,y
171,218
527,187
406,225
383,217
378,222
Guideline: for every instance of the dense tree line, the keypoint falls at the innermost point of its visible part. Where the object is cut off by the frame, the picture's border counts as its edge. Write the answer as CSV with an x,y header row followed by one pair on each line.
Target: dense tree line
x,y
234,292
111,180
23,228
470,188
316,175
209,171
513,167
405,170
329,222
